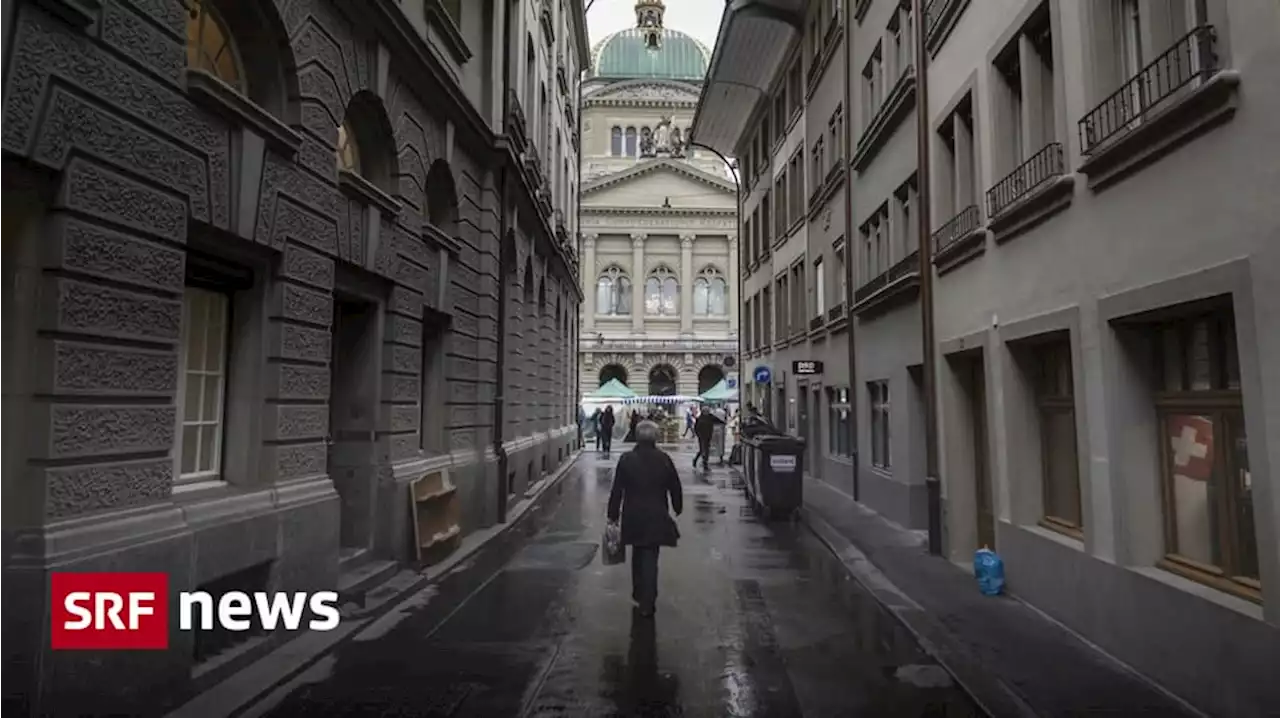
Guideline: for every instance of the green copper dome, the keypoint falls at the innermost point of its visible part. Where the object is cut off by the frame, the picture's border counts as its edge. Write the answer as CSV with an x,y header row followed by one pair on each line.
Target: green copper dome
x,y
631,54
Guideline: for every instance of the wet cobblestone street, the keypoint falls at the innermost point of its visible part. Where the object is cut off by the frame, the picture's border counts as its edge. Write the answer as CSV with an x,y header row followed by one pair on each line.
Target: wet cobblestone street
x,y
753,619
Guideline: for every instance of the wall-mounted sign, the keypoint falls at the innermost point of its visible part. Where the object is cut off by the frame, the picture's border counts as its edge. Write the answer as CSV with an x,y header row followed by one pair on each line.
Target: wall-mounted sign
x,y
762,375
806,367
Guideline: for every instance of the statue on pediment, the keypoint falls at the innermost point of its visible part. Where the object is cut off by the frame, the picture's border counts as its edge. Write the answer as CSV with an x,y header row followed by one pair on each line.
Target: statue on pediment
x,y
662,135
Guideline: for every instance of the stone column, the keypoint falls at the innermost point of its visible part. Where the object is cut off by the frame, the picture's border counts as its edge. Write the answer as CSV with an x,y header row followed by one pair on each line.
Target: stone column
x,y
588,271
731,293
637,282
686,284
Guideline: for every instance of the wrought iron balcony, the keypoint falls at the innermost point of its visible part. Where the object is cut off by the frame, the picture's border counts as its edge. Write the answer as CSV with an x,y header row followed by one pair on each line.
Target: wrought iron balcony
x,y
905,268
562,77
836,312
816,323
516,126
533,165
1040,168
957,228
548,24
1193,57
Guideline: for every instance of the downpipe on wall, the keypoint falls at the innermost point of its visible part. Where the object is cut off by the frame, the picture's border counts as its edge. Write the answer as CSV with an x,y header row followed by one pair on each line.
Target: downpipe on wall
x,y
504,228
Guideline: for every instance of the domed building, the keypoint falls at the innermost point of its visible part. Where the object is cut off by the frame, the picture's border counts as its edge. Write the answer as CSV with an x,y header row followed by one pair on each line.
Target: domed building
x,y
659,224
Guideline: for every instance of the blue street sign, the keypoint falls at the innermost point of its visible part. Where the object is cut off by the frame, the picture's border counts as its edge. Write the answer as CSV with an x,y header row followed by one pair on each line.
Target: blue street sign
x,y
762,375
732,383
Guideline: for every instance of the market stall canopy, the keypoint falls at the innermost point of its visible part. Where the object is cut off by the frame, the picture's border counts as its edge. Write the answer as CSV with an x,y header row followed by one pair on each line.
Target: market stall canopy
x,y
612,389
720,392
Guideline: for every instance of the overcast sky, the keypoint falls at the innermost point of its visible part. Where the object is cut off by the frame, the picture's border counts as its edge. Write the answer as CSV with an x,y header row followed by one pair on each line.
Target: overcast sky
x,y
699,18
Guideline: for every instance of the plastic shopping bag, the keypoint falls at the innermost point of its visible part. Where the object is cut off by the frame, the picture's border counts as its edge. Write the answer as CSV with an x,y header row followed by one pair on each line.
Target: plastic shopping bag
x,y
612,551
988,568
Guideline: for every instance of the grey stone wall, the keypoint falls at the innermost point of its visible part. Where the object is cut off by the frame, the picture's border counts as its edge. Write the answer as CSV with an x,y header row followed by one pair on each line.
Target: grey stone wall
x,y
142,166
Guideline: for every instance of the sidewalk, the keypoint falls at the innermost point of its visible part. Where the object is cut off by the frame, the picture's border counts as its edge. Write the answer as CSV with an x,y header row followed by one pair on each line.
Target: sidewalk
x,y
1013,659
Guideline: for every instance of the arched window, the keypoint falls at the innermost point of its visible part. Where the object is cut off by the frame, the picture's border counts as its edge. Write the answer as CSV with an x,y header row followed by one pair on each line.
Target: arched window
x,y
613,292
662,292
631,142
710,294
210,46
348,151
646,134
615,141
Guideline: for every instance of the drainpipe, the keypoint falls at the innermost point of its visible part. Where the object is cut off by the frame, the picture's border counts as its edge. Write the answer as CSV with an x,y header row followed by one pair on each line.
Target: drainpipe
x,y
847,161
577,230
932,482
500,394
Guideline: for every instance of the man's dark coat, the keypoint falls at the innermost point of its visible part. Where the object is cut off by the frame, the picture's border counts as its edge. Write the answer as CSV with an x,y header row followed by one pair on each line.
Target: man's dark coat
x,y
643,482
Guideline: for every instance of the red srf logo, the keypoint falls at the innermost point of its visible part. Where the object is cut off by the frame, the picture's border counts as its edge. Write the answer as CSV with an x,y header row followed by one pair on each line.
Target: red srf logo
x,y
110,611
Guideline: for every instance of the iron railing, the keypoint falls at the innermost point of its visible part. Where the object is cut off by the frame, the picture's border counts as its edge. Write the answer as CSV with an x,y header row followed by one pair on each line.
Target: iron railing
x,y
932,12
905,267
1192,57
959,226
1043,166
816,323
835,312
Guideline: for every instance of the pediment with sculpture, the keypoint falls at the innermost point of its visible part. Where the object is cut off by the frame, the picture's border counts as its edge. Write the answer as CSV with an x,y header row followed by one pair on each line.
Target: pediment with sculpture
x,y
644,91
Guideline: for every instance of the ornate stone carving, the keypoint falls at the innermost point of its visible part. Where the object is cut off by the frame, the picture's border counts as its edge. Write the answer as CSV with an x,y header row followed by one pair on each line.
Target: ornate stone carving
x,y
686,239
638,238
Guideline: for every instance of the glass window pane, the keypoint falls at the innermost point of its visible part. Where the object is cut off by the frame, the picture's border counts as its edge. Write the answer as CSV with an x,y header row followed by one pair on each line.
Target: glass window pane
x,y
605,296
1198,359
1242,477
652,296
1189,446
700,298
192,392
190,445
209,449
216,334
212,402
624,296
1062,483
670,296
197,318
719,298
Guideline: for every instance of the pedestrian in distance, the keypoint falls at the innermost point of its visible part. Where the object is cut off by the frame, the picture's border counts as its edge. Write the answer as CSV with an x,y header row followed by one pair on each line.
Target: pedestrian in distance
x,y
644,482
705,428
605,429
595,426
688,423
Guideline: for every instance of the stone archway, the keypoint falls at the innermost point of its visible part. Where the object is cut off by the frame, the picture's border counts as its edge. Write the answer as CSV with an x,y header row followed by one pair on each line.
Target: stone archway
x,y
612,371
709,376
663,380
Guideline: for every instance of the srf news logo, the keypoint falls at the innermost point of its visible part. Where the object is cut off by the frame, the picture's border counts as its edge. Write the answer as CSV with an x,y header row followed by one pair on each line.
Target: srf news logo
x,y
130,611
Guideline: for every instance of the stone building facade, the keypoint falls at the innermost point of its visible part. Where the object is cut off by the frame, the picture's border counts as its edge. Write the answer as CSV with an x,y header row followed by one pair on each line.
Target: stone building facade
x,y
263,262
659,222
1106,279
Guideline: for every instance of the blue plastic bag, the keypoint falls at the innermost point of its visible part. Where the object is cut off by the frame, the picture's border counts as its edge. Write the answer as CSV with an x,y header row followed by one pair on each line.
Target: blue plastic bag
x,y
988,568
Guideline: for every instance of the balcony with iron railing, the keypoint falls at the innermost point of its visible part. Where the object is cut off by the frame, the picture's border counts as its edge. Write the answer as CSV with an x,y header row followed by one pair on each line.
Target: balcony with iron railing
x,y
1176,97
515,123
940,18
548,24
960,239
562,78
1030,194
899,282
892,112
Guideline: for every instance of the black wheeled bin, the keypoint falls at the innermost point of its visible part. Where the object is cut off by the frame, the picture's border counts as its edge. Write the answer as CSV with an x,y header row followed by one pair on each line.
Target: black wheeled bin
x,y
774,473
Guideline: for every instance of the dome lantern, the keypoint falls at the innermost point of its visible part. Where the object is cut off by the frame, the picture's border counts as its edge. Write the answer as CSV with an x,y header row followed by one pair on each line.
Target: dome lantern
x,y
649,21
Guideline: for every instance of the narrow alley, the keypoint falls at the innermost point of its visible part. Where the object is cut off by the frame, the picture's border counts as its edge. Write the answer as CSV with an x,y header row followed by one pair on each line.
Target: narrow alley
x,y
753,619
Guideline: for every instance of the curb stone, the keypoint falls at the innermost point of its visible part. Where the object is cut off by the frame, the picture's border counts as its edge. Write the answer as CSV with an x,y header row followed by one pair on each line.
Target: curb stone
x,y
240,691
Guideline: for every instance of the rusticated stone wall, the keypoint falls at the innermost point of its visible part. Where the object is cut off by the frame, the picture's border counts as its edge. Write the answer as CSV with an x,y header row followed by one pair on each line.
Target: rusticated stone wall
x,y
138,164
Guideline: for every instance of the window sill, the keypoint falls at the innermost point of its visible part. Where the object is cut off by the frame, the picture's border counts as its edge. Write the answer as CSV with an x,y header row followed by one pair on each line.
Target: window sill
x,y
441,239
860,10
831,40
830,184
439,19
217,96
896,107
1058,534
362,190
899,283
1202,109
79,13
1036,207
1176,580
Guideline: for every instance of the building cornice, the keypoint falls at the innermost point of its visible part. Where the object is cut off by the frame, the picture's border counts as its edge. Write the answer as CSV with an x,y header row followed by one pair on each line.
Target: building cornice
x,y
644,168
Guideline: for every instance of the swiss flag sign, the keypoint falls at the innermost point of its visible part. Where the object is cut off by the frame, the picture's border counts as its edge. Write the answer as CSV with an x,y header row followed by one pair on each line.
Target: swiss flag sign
x,y
1191,446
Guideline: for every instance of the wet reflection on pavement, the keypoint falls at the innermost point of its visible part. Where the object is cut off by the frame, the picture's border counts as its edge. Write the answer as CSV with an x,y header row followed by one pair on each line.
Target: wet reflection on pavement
x,y
753,619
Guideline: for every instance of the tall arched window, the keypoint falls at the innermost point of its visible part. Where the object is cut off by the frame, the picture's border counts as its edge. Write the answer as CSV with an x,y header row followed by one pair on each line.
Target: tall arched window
x,y
662,292
613,292
631,142
615,141
710,293
348,152
210,47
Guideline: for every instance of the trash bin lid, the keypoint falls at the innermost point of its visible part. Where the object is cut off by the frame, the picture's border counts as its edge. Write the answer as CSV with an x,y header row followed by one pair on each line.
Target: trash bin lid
x,y
781,443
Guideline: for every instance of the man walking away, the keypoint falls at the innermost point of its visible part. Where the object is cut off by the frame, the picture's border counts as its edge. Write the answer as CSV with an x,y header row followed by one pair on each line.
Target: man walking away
x,y
705,428
645,480
688,423
595,426
605,430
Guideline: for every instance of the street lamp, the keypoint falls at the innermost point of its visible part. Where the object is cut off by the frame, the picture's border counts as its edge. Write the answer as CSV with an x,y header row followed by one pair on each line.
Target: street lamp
x,y
737,185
